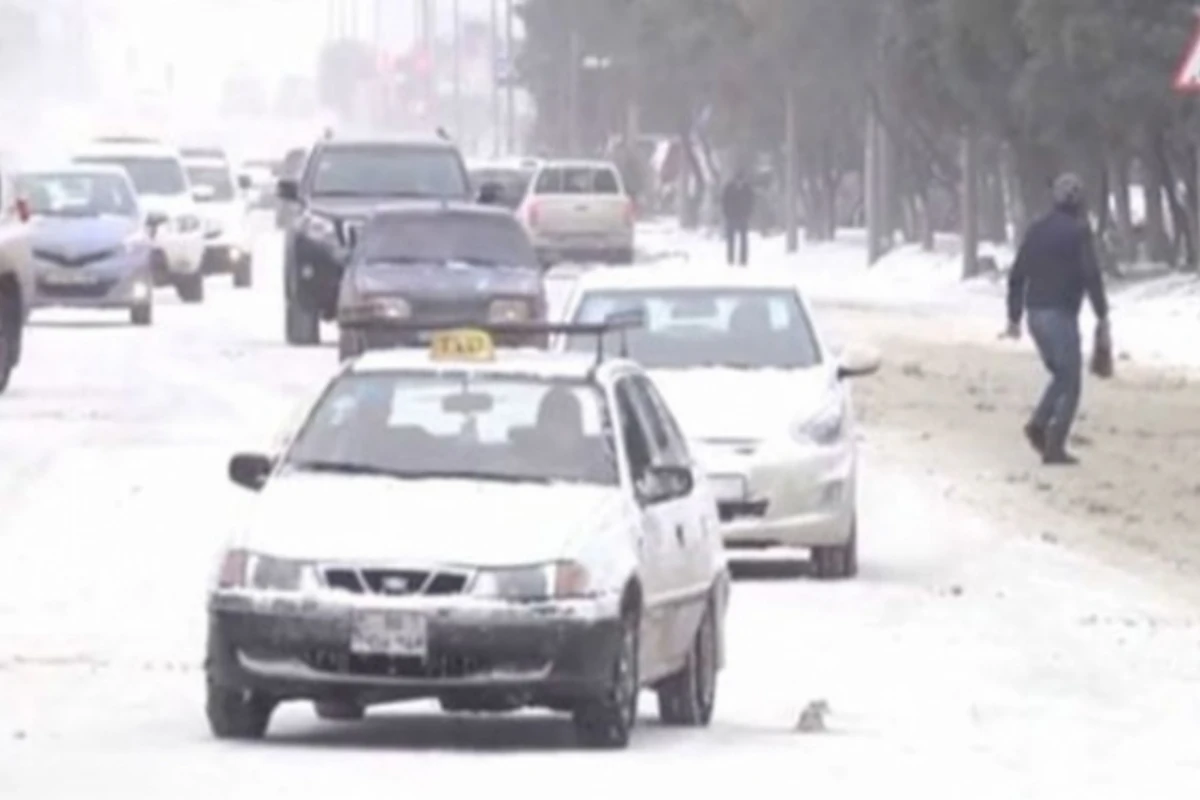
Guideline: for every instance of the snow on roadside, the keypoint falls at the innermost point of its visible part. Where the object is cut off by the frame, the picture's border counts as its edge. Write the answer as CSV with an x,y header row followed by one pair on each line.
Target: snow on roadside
x,y
1154,320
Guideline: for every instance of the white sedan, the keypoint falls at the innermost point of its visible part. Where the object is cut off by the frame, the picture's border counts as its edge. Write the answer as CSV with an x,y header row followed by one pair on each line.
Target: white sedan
x,y
758,393
492,529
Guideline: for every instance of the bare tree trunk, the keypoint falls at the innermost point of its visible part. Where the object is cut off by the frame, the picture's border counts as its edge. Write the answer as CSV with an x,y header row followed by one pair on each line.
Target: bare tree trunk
x,y
1126,250
994,221
791,172
1158,246
871,190
829,206
970,204
925,221
1181,222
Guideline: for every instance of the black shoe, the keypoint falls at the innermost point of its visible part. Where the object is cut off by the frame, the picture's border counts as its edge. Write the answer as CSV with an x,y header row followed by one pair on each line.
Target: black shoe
x,y
1036,437
1060,458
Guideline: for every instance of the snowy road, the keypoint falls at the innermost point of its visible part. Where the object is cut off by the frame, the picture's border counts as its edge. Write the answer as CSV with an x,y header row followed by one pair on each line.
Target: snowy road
x,y
974,656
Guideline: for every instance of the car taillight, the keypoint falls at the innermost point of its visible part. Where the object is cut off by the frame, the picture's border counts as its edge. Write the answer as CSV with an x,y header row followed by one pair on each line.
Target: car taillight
x,y
23,210
233,569
533,215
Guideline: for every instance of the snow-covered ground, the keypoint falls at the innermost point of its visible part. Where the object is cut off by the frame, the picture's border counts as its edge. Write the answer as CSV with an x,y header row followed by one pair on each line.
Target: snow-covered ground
x,y
1154,320
976,655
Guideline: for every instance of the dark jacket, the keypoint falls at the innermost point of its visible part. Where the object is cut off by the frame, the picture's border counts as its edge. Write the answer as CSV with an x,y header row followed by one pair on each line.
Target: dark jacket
x,y
1055,267
737,202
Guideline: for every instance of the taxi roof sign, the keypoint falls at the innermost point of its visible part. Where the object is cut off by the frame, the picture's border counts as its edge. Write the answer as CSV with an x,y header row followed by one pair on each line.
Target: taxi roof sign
x,y
462,344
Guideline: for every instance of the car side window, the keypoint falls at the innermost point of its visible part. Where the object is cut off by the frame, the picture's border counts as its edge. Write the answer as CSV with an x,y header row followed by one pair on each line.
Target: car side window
x,y
637,443
663,445
676,441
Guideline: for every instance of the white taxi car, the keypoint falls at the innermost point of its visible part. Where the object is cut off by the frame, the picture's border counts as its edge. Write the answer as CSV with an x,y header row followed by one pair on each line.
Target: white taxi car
x,y
223,209
496,529
172,214
759,395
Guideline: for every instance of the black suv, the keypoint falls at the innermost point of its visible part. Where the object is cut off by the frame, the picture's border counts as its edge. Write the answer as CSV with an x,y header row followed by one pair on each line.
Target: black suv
x,y
341,184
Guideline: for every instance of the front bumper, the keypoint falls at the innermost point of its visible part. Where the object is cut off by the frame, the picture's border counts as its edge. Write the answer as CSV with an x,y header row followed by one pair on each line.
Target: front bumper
x,y
796,497
182,252
560,246
119,283
478,653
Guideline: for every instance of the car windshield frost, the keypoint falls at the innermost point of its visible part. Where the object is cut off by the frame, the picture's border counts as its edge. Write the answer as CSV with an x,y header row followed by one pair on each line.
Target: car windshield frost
x,y
384,171
78,195
154,176
474,427
215,178
701,327
469,238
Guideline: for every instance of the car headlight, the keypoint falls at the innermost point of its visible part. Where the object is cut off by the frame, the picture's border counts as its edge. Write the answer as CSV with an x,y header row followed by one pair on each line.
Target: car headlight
x,y
389,307
509,311
556,581
319,228
241,569
826,427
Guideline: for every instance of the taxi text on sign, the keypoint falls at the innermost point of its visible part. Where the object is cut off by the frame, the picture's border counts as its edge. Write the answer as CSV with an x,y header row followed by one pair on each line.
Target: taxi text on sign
x,y
465,344
1187,77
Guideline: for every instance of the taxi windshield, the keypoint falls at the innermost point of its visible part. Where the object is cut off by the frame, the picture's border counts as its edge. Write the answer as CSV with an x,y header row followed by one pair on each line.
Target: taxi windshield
x,y
469,426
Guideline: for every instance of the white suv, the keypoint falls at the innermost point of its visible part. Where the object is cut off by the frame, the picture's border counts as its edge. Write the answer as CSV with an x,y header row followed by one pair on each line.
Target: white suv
x,y
16,276
222,204
172,213
579,210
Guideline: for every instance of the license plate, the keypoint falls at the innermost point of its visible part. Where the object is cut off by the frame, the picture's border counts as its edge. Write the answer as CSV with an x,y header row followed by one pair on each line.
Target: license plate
x,y
389,633
728,487
69,279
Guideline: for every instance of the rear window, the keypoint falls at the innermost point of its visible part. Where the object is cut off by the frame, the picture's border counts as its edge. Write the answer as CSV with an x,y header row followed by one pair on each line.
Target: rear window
x,y
470,238
578,180
387,171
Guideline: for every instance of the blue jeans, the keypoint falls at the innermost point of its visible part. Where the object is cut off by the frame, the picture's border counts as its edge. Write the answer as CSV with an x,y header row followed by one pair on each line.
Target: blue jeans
x,y
1056,334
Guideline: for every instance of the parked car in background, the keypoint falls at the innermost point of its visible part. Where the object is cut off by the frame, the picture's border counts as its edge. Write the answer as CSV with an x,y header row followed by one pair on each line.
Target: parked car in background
x,y
579,210
227,242
171,212
510,177
89,240
290,169
16,274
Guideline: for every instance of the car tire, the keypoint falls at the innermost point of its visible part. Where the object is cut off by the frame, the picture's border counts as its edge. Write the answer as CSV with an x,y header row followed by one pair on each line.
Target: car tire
x,y
606,721
623,257
10,338
334,711
190,288
688,697
141,315
303,325
238,713
350,345
243,273
838,562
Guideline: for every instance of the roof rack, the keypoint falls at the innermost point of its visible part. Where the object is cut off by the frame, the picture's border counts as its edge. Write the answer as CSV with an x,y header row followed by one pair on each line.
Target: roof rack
x,y
620,322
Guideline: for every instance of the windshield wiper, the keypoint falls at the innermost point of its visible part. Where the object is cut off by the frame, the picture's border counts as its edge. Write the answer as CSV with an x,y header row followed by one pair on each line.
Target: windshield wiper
x,y
346,468
343,468
470,475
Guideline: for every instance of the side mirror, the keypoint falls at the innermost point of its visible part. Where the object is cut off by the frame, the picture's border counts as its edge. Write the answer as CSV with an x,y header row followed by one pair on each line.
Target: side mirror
x,y
668,481
250,470
244,183
24,212
857,363
491,194
289,190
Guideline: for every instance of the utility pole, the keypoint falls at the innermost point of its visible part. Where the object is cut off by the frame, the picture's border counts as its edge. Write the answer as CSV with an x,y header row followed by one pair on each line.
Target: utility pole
x,y
510,89
456,12
969,203
792,234
575,54
494,40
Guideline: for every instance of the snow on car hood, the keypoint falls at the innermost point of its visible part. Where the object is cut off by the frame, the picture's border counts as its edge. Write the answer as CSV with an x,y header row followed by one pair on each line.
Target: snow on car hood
x,y
468,523
170,204
450,281
73,235
757,404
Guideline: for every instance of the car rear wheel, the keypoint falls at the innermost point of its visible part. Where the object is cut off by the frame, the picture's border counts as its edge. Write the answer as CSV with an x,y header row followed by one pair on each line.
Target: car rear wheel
x,y
190,288
243,273
350,345
840,561
607,721
623,257
303,325
238,713
688,697
141,315
10,337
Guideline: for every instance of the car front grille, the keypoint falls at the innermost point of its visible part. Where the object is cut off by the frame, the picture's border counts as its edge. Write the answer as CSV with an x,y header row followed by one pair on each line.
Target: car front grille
x,y
448,666
81,291
448,310
75,259
395,582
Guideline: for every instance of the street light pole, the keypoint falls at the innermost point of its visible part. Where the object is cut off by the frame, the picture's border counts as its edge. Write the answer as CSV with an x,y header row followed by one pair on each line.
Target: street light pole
x,y
510,105
494,37
456,12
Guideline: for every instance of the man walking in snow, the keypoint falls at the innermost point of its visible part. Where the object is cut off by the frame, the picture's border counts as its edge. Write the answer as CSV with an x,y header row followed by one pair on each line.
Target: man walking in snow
x,y
737,207
1055,267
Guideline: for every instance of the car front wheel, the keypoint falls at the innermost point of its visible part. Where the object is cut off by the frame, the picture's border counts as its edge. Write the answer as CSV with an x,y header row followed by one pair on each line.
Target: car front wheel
x,y
606,721
238,713
838,562
190,288
141,315
10,338
243,273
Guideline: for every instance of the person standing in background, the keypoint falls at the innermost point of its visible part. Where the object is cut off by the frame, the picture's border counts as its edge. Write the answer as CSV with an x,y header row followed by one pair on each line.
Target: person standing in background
x,y
737,208
1055,267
